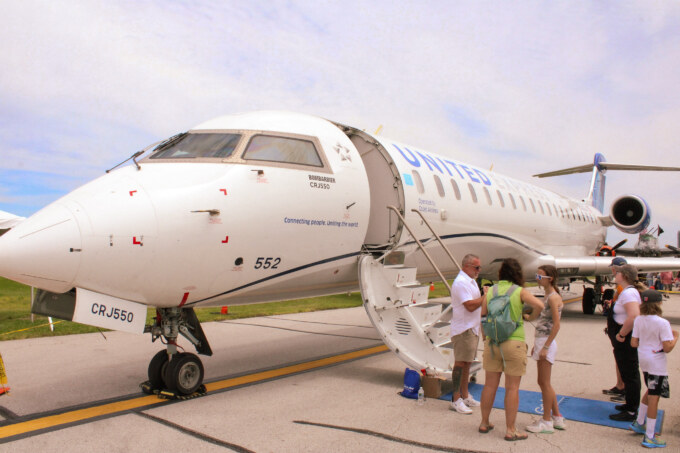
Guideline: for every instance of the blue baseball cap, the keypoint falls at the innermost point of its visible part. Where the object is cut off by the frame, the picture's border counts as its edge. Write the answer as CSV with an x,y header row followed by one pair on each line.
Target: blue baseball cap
x,y
618,261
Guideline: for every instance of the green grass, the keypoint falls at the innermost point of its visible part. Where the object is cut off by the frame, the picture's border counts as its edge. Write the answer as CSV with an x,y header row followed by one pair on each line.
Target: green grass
x,y
15,312
16,323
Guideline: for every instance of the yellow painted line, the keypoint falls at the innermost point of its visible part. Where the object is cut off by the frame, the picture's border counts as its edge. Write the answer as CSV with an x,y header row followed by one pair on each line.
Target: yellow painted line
x,y
77,415
568,301
150,400
270,374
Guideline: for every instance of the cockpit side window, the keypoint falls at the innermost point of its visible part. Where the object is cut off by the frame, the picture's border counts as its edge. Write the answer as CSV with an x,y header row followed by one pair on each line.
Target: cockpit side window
x,y
196,146
282,149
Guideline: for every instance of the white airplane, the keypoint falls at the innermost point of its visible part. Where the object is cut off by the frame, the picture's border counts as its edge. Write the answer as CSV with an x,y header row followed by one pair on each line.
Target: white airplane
x,y
270,206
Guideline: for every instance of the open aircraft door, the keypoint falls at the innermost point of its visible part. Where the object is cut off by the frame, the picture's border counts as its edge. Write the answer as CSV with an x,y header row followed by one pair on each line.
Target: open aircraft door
x,y
414,328
386,189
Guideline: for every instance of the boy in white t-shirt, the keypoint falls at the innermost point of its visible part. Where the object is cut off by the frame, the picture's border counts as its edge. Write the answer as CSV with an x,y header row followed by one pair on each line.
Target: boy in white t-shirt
x,y
653,337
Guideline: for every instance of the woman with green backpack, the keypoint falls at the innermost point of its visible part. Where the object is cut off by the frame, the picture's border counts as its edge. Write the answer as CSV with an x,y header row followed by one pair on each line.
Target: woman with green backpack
x,y
505,350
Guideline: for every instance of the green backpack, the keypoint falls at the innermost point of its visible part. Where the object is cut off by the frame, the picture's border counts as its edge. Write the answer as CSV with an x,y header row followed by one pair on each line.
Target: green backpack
x,y
499,325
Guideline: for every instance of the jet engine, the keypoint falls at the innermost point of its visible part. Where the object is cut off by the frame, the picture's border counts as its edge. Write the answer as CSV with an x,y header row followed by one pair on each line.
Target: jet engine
x,y
630,214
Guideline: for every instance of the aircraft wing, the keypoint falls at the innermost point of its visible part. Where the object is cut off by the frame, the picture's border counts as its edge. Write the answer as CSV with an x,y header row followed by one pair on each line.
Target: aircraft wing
x,y
599,265
628,252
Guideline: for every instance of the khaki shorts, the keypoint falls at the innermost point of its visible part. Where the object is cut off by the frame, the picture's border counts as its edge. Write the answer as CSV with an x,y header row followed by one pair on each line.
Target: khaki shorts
x,y
510,358
465,346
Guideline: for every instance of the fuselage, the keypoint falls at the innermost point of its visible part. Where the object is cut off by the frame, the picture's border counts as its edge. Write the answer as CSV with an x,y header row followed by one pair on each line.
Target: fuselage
x,y
280,207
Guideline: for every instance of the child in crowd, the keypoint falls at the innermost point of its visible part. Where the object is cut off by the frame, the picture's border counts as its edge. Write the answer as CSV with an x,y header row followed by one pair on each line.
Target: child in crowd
x,y
653,337
545,349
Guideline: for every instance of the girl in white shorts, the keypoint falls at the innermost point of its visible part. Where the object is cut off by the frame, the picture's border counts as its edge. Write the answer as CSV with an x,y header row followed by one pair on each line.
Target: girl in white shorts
x,y
545,350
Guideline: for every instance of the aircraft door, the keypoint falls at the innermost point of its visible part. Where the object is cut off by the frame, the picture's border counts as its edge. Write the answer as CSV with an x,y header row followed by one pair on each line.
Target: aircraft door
x,y
384,229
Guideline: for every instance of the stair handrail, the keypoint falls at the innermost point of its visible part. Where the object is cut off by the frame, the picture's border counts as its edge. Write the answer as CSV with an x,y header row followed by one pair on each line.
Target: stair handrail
x,y
427,255
437,237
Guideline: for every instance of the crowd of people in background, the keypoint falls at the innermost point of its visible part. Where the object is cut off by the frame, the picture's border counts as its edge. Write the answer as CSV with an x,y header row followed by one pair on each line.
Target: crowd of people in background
x,y
639,336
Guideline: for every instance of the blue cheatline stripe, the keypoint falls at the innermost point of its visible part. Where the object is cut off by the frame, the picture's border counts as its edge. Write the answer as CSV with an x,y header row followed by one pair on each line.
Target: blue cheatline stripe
x,y
500,236
349,255
577,409
280,274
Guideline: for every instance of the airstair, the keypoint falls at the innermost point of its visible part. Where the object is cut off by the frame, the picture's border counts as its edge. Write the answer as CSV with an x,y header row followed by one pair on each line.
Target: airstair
x,y
412,326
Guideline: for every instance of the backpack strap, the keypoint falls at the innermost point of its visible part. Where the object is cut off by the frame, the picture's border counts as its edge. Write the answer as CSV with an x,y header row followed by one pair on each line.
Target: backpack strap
x,y
511,290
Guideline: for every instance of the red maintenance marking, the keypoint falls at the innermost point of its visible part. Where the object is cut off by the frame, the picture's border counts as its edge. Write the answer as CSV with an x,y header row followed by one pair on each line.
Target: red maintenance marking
x,y
132,192
184,299
136,242
224,191
226,240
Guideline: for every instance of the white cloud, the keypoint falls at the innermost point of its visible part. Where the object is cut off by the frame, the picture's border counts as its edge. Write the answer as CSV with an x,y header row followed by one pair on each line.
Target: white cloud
x,y
535,85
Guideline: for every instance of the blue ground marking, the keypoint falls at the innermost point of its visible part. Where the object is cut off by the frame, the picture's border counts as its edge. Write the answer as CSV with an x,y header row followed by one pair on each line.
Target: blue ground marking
x,y
572,408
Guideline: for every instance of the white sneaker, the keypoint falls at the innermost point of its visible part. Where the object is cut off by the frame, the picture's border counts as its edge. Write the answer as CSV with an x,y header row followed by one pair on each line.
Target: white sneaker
x,y
471,402
558,423
541,426
460,407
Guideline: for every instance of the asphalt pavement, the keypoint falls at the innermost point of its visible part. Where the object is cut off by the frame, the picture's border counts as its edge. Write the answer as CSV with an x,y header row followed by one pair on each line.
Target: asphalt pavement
x,y
282,384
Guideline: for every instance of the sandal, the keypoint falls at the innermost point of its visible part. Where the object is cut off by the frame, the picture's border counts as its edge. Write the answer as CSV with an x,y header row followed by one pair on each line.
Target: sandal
x,y
516,436
484,429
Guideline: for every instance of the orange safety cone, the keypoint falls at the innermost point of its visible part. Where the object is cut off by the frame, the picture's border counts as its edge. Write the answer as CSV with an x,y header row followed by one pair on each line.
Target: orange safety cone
x,y
225,310
431,286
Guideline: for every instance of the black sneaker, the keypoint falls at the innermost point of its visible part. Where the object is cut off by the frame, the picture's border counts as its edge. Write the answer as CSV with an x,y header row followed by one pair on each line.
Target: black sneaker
x,y
623,416
617,398
621,407
614,391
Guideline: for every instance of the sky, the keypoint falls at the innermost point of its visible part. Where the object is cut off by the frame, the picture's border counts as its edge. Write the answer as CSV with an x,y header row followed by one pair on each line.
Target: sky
x,y
525,87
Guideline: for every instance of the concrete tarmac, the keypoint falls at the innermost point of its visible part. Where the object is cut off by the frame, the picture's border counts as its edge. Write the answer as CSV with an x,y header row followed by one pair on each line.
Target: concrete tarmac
x,y
350,406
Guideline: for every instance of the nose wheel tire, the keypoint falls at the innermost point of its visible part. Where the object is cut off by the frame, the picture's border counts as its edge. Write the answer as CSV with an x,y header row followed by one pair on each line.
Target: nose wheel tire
x,y
184,373
157,368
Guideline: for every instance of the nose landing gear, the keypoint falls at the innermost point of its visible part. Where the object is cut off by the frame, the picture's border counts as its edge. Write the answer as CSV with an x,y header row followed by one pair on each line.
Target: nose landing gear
x,y
172,373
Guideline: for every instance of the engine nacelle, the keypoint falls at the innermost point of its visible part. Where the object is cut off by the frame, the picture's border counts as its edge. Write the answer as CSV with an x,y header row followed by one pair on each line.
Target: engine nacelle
x,y
630,214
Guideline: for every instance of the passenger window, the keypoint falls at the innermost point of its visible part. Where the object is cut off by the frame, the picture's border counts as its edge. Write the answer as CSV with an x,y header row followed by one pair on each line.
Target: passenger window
x,y
488,196
500,198
440,187
456,190
512,200
533,206
473,194
524,205
282,149
547,205
556,213
196,146
540,205
419,182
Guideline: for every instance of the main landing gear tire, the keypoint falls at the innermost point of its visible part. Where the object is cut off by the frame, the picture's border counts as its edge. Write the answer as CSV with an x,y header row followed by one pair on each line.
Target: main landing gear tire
x,y
184,373
588,301
157,368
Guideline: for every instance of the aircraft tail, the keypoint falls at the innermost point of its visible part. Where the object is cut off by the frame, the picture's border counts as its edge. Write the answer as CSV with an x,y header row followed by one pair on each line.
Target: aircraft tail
x,y
597,183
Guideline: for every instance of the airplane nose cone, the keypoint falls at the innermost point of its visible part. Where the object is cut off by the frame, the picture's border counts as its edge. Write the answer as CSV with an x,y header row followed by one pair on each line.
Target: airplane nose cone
x,y
43,251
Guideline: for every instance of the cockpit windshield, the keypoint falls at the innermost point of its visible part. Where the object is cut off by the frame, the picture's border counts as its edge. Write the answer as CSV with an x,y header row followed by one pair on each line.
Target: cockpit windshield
x,y
194,146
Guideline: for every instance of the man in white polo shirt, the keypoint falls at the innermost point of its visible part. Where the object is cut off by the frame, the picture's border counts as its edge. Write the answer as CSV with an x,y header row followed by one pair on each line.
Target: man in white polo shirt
x,y
466,316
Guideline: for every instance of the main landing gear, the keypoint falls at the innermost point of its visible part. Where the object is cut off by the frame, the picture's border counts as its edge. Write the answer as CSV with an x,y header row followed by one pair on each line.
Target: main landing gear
x,y
180,373
595,295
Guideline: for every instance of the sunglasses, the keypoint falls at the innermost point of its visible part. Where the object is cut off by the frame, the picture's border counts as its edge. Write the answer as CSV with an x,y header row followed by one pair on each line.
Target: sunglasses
x,y
475,267
540,277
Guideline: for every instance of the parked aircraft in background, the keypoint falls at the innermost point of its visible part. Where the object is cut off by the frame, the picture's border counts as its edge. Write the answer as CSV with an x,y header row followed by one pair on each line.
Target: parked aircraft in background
x,y
270,206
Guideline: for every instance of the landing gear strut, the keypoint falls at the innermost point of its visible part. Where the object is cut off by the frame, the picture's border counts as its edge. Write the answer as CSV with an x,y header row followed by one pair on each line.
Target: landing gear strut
x,y
180,373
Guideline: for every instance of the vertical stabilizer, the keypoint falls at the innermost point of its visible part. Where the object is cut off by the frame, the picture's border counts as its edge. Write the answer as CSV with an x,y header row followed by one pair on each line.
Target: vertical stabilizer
x,y
597,183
